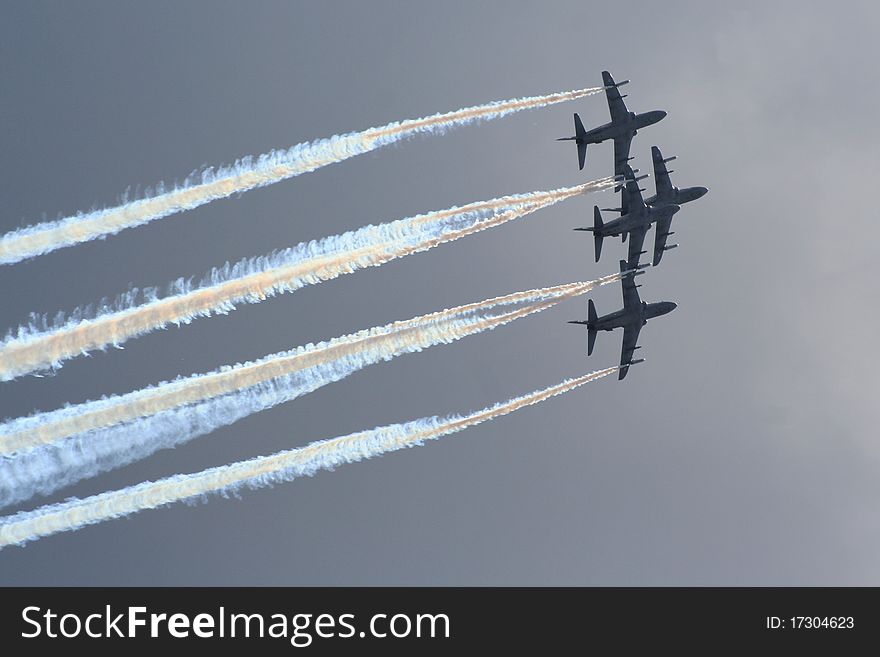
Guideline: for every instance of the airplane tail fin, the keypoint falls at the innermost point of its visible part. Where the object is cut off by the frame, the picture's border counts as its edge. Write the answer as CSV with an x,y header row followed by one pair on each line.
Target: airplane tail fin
x,y
579,135
579,131
591,327
597,231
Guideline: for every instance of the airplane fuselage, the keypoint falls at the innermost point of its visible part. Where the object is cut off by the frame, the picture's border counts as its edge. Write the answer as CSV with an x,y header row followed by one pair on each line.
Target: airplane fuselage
x,y
640,217
614,129
677,196
626,317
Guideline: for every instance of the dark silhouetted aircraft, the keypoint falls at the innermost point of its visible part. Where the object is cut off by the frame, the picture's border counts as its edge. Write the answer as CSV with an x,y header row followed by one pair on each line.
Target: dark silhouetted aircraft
x,y
667,194
632,317
623,126
636,222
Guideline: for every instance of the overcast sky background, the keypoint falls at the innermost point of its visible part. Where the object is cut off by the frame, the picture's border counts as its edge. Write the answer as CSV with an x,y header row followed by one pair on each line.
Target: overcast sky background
x,y
744,452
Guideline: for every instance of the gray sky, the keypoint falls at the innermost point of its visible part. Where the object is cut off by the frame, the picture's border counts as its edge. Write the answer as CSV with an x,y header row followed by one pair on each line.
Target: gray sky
x,y
744,451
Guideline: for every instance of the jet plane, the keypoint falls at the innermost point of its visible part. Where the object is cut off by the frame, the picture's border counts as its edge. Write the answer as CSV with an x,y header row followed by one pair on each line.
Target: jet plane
x,y
622,128
634,314
667,194
636,222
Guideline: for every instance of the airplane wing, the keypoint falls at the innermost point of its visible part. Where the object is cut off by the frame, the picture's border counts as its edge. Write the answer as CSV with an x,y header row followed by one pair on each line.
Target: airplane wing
x,y
621,152
628,348
634,252
634,200
661,175
631,298
616,106
624,207
631,201
660,237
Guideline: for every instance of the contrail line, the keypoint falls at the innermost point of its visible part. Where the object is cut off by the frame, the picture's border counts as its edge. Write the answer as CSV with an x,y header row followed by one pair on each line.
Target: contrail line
x,y
30,349
42,428
115,431
261,471
249,173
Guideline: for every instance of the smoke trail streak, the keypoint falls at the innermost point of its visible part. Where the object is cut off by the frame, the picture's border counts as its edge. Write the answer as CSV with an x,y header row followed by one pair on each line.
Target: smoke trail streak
x,y
176,412
42,428
261,471
249,173
31,349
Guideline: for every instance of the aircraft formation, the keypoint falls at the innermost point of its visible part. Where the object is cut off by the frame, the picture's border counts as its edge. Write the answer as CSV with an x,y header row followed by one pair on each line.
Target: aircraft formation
x,y
636,216
45,451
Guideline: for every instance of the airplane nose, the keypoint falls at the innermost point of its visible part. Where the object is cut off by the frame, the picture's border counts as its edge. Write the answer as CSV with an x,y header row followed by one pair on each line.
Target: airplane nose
x,y
672,306
702,191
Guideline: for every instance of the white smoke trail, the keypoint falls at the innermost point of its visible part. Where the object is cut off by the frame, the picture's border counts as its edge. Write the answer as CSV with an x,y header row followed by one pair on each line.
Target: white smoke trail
x,y
33,348
108,433
248,173
43,428
261,471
